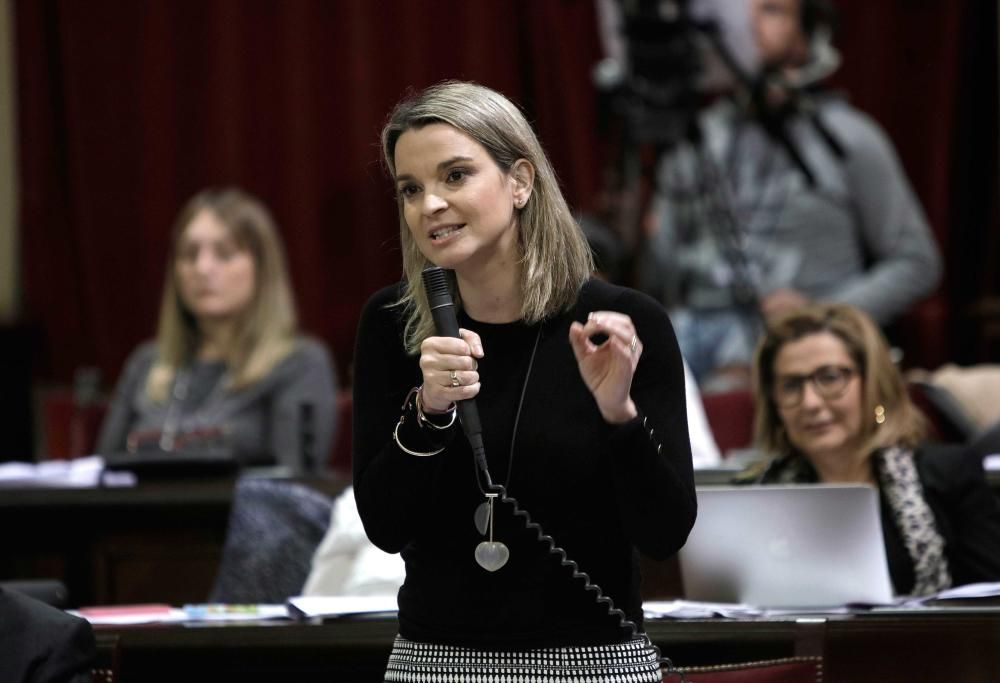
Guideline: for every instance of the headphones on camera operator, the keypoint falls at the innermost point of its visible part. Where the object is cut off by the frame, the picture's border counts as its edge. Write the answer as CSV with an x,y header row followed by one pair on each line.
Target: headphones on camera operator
x,y
818,20
775,92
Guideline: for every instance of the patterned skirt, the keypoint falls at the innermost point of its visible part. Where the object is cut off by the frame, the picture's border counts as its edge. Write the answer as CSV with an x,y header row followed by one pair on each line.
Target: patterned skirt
x,y
631,662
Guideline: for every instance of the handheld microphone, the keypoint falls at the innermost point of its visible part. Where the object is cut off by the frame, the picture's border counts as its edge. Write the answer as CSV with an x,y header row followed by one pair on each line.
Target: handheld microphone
x,y
443,310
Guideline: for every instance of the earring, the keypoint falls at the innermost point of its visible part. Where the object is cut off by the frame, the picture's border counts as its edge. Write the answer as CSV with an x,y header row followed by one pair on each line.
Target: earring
x,y
879,414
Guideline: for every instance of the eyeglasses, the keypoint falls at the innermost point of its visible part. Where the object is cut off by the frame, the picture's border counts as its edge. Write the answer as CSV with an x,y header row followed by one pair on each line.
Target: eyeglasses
x,y
830,381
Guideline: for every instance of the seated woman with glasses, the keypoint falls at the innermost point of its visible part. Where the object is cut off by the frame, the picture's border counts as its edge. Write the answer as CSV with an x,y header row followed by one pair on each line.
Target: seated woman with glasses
x,y
831,407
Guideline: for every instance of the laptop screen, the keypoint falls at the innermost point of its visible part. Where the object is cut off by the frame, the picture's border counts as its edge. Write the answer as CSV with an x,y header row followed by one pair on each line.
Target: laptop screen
x,y
788,546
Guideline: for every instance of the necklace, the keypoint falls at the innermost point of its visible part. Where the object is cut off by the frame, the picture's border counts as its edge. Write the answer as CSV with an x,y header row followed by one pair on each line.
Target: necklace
x,y
172,421
178,394
491,555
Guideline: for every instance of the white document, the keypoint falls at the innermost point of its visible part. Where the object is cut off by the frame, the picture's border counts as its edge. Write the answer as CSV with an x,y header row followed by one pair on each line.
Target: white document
x,y
76,473
338,606
687,609
123,615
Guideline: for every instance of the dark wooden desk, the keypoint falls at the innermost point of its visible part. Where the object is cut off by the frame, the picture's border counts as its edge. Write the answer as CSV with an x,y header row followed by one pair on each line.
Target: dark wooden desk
x,y
856,649
156,542
161,542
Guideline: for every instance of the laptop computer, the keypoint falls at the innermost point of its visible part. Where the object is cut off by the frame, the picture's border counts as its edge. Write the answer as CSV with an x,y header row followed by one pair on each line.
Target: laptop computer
x,y
787,547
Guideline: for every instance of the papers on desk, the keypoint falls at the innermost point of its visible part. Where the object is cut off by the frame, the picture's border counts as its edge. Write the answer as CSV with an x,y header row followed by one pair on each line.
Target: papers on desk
x,y
122,615
323,606
987,593
223,612
686,609
977,595
299,608
131,614
76,473
972,590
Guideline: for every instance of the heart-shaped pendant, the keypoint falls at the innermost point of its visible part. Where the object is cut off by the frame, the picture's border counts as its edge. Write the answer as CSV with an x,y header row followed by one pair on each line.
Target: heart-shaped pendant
x,y
491,555
482,517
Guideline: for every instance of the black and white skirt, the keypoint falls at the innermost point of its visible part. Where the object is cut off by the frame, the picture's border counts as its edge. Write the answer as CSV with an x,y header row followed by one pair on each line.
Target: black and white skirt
x,y
631,662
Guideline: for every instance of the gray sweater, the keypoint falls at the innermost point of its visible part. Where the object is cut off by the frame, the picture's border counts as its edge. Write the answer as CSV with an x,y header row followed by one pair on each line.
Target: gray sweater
x,y
859,236
258,425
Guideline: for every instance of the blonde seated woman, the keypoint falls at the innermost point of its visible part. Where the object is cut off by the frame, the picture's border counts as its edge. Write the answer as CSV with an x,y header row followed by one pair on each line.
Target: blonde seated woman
x,y
832,408
228,372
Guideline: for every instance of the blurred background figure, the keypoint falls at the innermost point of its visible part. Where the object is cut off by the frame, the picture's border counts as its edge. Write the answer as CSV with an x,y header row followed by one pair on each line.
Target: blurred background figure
x,y
776,195
228,372
832,407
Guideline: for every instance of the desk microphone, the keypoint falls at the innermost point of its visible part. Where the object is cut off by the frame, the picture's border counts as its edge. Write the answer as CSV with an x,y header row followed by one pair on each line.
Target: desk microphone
x,y
443,310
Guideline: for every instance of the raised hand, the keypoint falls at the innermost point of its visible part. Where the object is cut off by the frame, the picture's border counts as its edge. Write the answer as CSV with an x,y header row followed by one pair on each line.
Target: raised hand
x,y
607,368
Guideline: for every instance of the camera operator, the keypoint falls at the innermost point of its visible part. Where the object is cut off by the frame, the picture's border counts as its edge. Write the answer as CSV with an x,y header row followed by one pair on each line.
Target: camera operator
x,y
785,194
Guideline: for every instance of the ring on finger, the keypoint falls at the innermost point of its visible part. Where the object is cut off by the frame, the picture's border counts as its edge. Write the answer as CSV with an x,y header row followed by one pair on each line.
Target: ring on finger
x,y
454,378
633,344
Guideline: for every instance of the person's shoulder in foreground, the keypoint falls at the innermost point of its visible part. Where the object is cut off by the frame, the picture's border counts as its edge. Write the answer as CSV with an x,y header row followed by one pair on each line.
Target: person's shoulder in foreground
x,y
955,485
42,644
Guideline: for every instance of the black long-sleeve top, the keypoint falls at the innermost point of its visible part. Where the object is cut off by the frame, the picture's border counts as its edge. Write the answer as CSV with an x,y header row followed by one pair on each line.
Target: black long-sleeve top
x,y
601,491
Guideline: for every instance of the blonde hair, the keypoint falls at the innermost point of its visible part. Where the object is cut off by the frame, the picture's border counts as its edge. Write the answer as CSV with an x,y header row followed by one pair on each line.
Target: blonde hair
x,y
555,257
265,331
882,383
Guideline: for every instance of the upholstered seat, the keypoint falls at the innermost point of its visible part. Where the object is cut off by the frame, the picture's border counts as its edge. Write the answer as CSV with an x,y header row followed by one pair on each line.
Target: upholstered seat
x,y
730,416
274,528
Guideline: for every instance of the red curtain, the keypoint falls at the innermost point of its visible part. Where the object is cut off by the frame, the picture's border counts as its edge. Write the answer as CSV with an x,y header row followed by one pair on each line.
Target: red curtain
x,y
128,108
927,71
900,65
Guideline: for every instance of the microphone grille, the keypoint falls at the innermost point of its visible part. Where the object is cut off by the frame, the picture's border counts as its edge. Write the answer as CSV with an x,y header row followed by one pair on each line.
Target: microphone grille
x,y
435,282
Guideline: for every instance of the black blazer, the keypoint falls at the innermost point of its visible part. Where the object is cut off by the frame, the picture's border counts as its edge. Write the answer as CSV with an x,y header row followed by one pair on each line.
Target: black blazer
x,y
967,513
42,644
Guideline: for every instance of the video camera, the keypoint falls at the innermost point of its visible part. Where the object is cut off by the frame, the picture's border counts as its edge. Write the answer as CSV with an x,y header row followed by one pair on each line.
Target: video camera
x,y
650,79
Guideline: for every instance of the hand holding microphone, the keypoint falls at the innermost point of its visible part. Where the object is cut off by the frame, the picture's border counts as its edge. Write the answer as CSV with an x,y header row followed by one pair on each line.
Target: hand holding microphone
x,y
448,361
449,369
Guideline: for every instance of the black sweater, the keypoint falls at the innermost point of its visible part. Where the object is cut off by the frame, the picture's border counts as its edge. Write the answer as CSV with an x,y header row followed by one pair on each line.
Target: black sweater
x,y
601,491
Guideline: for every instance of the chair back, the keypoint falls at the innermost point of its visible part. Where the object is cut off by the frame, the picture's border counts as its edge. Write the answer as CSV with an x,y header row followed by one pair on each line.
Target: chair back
x,y
948,420
730,416
340,458
70,427
273,530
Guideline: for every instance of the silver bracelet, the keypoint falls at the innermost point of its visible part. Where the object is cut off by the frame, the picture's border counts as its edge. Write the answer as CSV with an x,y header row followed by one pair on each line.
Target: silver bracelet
x,y
395,437
422,418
